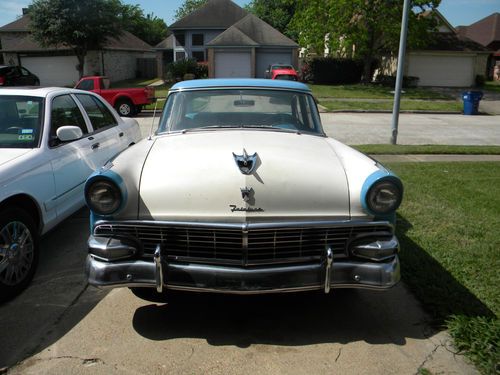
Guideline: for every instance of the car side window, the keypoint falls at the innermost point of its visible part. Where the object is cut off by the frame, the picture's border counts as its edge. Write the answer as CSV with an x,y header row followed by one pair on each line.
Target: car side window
x,y
99,114
65,112
86,85
24,72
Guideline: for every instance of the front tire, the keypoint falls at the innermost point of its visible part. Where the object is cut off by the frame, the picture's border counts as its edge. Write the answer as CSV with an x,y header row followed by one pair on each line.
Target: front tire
x,y
125,107
18,251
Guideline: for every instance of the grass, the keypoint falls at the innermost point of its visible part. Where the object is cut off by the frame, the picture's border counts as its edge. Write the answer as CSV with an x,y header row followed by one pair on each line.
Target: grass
x,y
449,229
492,86
379,149
369,91
383,105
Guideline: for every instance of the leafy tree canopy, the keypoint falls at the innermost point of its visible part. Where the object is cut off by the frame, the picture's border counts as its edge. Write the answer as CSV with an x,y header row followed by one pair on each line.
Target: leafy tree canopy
x,y
277,13
82,25
148,27
187,7
367,28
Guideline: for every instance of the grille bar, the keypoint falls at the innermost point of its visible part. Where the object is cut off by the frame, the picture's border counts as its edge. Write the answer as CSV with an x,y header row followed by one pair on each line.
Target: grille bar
x,y
245,245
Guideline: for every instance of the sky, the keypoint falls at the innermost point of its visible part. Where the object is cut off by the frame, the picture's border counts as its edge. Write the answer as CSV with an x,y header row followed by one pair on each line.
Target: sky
x,y
457,12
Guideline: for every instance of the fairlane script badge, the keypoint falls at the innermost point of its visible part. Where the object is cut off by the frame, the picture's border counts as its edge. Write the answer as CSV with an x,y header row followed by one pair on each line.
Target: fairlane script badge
x,y
246,163
245,209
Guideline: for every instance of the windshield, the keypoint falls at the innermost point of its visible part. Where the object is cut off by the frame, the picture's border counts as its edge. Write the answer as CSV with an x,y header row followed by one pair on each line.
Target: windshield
x,y
20,121
237,108
281,66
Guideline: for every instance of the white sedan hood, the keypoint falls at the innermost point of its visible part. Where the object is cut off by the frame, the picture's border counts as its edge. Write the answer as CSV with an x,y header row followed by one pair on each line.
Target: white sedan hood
x,y
195,177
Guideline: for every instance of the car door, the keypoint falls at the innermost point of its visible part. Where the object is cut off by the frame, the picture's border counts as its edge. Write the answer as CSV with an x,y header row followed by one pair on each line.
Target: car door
x,y
71,161
104,128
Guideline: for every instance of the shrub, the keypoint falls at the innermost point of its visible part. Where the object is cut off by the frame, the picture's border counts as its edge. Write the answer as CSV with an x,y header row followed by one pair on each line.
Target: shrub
x,y
328,70
390,81
178,69
480,80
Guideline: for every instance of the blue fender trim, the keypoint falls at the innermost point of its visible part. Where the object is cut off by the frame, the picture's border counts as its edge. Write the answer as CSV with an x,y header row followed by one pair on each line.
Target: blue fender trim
x,y
380,175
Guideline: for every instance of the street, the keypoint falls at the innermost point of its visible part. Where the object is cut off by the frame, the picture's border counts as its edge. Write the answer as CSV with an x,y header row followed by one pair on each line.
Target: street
x,y
414,129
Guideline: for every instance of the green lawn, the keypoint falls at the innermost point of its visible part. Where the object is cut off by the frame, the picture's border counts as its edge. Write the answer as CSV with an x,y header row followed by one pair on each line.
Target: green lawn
x,y
369,91
492,86
378,149
449,229
406,105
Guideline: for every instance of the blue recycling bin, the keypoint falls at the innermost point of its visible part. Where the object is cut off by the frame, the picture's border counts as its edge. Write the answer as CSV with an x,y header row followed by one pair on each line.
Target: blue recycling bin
x,y
471,102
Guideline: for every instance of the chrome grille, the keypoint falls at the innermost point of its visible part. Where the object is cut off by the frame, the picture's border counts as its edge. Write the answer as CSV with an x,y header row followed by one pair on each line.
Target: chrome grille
x,y
241,245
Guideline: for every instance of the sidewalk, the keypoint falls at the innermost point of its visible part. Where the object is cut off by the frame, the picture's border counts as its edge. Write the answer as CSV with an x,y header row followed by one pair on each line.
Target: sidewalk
x,y
434,158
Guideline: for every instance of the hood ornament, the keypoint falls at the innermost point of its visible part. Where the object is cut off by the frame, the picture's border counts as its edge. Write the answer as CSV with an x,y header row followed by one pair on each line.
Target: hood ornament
x,y
246,163
246,193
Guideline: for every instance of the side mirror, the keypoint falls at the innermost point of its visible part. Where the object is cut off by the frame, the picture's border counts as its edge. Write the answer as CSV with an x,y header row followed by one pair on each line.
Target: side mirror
x,y
69,133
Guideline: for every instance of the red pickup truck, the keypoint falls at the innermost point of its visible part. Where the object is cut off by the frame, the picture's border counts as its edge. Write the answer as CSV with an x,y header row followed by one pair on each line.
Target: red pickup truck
x,y
127,102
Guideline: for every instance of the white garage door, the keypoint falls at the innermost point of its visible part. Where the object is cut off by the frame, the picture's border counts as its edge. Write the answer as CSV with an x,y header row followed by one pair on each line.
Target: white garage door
x,y
53,70
266,58
233,65
455,71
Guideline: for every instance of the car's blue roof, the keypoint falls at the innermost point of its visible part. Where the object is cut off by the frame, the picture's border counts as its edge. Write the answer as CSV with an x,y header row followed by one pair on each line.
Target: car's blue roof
x,y
239,82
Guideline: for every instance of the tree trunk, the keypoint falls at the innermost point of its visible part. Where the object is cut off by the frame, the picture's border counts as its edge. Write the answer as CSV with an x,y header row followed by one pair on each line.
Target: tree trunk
x,y
367,69
81,62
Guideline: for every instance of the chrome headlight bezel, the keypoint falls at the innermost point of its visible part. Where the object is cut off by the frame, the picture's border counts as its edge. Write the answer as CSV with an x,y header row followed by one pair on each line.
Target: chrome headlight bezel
x,y
384,196
103,196
382,193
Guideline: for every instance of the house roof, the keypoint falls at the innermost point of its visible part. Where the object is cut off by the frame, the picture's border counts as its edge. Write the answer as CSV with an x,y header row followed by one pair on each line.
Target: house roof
x,y
125,41
453,42
485,31
252,31
167,43
215,14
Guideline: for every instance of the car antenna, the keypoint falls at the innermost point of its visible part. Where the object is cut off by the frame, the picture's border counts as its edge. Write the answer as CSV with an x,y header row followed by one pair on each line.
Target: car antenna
x,y
153,120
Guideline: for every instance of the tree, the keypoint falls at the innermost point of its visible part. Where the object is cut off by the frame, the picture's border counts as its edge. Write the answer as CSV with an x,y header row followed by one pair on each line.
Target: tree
x,y
149,28
82,25
188,7
367,27
277,13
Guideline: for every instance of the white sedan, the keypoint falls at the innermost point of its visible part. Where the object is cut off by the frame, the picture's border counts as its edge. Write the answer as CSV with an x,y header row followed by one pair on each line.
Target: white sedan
x,y
240,191
51,140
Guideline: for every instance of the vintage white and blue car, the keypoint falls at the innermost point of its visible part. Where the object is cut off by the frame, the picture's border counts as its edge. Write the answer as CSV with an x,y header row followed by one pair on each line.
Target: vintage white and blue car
x,y
239,190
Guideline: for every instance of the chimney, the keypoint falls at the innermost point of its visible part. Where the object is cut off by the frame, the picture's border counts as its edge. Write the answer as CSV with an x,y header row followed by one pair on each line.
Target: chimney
x,y
25,11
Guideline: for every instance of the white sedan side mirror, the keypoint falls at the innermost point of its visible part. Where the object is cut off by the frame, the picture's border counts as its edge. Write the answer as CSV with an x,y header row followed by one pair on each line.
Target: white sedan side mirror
x,y
69,133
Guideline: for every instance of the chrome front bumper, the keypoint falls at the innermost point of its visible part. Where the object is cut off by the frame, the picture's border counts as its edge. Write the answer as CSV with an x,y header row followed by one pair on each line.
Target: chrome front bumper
x,y
160,274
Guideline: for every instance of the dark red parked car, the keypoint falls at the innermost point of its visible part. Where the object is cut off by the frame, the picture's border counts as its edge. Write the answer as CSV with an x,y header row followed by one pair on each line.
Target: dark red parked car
x,y
17,76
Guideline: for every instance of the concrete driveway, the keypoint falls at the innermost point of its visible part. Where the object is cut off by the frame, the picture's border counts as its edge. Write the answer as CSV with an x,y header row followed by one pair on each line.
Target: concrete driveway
x,y
414,129
59,325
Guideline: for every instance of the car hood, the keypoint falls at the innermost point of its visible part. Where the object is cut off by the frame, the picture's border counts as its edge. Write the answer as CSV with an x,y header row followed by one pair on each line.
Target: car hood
x,y
194,176
9,154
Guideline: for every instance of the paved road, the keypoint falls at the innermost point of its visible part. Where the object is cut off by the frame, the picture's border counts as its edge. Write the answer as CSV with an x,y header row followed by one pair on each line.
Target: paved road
x,y
61,326
414,129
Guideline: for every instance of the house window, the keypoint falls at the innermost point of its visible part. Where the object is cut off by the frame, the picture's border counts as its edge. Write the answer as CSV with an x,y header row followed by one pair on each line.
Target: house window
x,y
180,39
197,40
198,55
180,56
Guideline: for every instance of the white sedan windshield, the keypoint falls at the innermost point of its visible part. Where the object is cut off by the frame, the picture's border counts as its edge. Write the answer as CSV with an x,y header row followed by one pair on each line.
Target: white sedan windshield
x,y
20,121
240,108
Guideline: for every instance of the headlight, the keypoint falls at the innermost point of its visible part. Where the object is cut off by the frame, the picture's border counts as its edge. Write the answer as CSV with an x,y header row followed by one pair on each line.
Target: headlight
x,y
103,196
384,196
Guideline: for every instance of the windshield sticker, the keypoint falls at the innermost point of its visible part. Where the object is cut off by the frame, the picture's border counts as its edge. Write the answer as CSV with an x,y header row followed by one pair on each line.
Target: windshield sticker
x,y
27,137
27,131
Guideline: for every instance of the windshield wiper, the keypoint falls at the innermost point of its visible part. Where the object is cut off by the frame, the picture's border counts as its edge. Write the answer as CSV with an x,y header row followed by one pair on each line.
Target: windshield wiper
x,y
209,127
